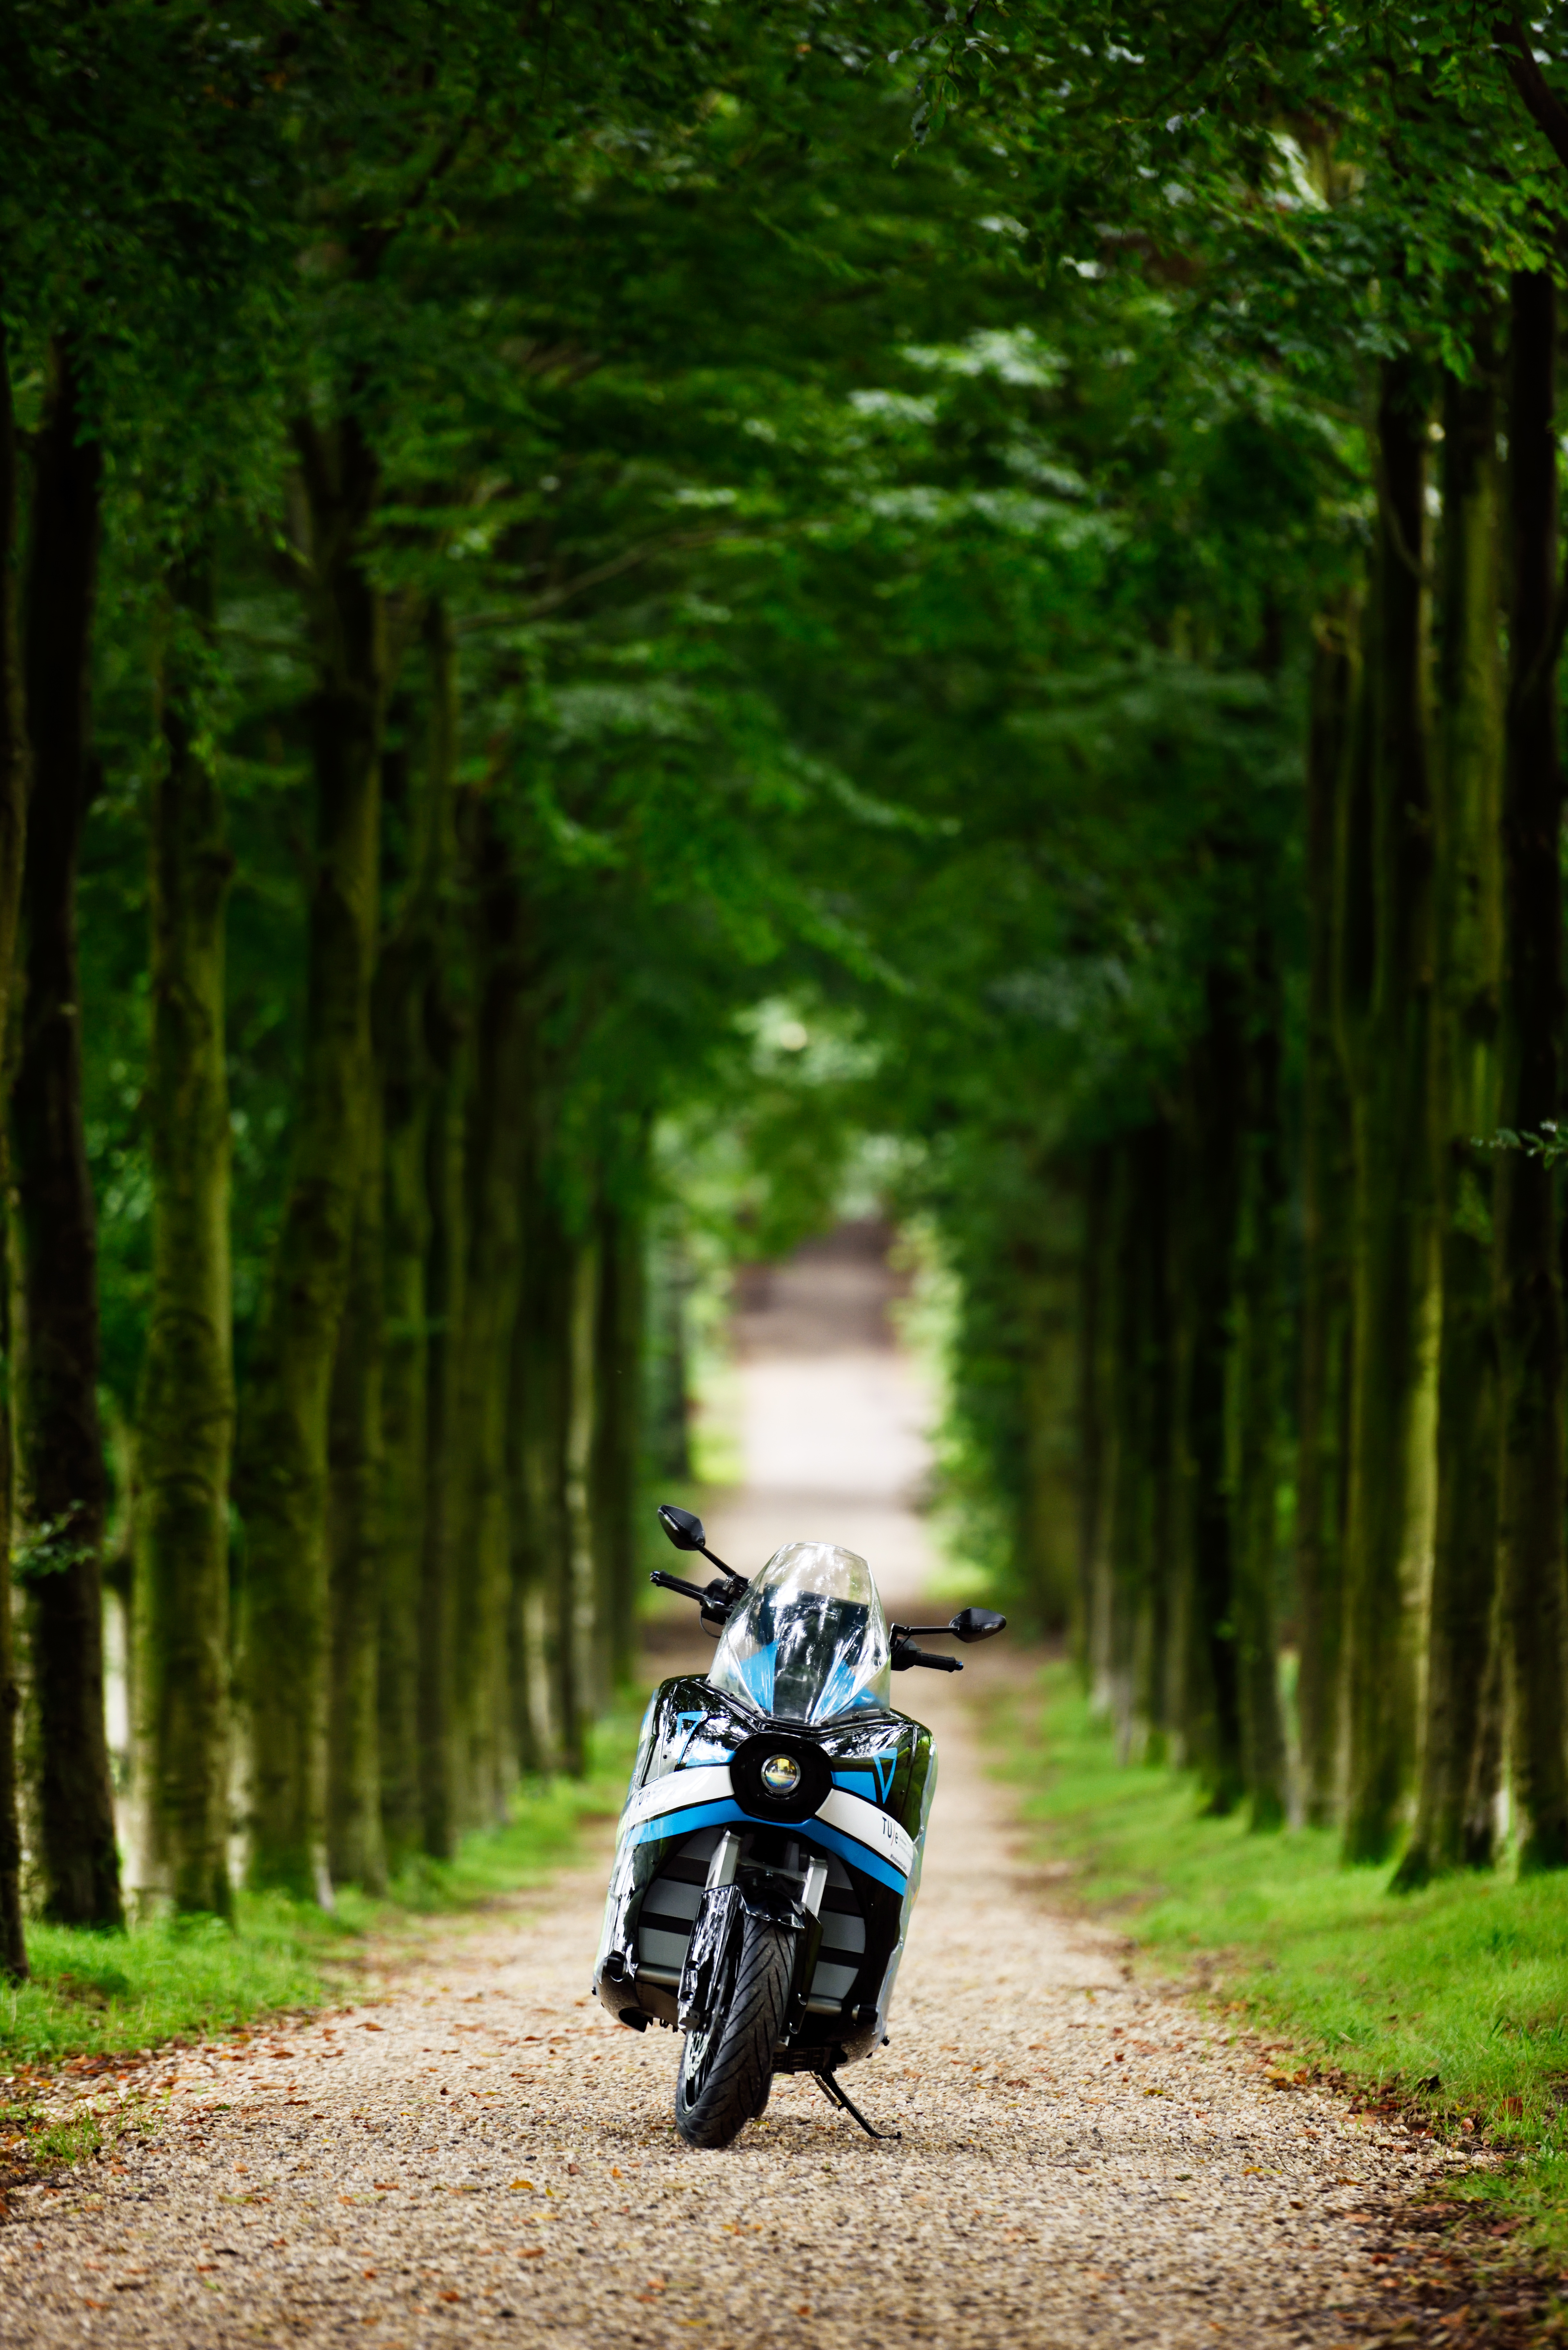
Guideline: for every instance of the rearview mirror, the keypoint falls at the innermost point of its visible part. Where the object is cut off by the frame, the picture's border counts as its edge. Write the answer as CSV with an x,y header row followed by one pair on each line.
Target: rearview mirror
x,y
684,1528
972,1624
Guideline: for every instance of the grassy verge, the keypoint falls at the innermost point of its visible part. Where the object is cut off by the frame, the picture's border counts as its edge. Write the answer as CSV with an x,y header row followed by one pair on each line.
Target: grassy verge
x,y
100,1995
1452,2002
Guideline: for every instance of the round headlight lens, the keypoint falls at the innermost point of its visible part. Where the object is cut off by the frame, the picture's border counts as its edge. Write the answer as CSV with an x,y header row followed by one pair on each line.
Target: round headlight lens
x,y
781,1774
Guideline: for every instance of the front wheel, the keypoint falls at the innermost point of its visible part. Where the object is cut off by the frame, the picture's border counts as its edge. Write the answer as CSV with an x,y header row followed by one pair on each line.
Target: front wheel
x,y
727,2064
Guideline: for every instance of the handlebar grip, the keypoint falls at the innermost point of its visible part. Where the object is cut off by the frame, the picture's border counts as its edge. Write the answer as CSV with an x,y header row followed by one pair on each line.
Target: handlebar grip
x,y
906,1655
673,1583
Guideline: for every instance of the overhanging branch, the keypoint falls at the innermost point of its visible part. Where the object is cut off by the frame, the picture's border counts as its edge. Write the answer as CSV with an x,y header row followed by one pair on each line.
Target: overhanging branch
x,y
1546,109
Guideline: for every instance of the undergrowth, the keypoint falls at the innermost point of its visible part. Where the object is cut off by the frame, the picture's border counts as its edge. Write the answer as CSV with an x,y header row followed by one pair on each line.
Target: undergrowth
x,y
106,1994
1452,2002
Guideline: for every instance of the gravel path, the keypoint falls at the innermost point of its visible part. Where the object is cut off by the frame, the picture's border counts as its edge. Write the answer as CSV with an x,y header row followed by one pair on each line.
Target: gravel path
x,y
485,2155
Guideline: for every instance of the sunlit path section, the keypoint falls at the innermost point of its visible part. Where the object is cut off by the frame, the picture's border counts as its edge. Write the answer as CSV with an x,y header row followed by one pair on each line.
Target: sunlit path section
x,y
833,1416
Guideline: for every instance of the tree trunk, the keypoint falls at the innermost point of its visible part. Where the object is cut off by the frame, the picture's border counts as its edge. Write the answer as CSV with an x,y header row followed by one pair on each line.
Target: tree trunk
x,y
669,1404
446,1192
1479,1844
1090,1412
13,778
531,1592
615,1463
1468,777
1139,1394
496,1147
1152,1631
1529,1301
62,1445
580,1626
1049,1264
1209,1211
1126,1393
355,1849
1326,1243
1394,1270
186,1407
1098,1423
282,1479
545,1353
407,976
1255,1406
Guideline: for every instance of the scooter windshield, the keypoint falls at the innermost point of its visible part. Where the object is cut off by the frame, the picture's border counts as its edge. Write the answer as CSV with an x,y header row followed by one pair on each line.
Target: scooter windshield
x,y
808,1641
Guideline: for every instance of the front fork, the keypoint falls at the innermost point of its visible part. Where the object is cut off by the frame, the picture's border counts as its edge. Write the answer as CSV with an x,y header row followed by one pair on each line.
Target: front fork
x,y
770,1891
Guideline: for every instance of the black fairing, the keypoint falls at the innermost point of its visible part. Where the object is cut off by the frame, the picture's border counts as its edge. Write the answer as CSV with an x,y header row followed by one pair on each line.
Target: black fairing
x,y
851,1948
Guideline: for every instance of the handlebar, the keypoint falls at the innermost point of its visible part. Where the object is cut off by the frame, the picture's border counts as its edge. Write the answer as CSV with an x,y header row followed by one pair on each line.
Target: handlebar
x,y
906,1654
714,1603
673,1583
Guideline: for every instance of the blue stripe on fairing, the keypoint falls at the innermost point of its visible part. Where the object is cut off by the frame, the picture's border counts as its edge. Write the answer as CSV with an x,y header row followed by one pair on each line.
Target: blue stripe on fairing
x,y
858,1856
664,1825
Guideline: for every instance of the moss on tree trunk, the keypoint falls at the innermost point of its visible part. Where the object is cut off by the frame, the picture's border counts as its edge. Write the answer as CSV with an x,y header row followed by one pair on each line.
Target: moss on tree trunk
x,y
616,1460
407,1019
1254,1405
1530,1300
445,1191
186,1403
354,1533
13,776
62,1446
1388,1522
282,1474
500,1116
1325,1238
1209,1706
1467,779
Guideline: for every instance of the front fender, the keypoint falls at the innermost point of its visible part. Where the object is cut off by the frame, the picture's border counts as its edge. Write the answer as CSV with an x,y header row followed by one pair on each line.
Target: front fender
x,y
719,1922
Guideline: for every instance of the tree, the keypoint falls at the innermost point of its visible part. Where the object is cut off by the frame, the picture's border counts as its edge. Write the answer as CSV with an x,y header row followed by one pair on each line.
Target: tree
x,y
186,1404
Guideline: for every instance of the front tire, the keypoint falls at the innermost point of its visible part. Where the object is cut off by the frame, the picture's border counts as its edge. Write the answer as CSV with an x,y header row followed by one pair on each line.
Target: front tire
x,y
727,2066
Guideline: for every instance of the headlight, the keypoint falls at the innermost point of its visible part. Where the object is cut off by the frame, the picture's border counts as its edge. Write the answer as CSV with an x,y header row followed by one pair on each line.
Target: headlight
x,y
781,1774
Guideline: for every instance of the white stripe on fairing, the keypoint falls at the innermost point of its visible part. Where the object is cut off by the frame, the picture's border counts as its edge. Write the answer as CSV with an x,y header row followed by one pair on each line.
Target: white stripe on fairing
x,y
709,1783
675,1791
868,1825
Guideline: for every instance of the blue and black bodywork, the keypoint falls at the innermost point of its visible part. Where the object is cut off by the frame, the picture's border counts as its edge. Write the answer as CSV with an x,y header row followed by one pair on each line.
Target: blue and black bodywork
x,y
769,1850
859,1809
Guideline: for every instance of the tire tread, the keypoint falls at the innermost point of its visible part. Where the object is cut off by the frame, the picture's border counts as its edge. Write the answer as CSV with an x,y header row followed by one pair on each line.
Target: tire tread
x,y
735,2087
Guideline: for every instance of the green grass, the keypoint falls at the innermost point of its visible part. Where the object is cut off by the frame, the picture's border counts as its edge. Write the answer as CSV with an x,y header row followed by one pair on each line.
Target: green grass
x,y
95,1995
1465,1982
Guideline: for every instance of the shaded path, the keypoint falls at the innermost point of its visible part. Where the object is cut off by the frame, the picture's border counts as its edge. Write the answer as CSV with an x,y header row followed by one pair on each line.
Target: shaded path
x,y
486,2156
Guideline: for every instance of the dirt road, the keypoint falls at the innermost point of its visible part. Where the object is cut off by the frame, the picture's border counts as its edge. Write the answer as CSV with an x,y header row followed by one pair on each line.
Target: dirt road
x,y
486,2156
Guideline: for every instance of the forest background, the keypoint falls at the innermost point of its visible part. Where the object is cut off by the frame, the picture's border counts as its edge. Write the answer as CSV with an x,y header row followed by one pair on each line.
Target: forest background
x,y
613,620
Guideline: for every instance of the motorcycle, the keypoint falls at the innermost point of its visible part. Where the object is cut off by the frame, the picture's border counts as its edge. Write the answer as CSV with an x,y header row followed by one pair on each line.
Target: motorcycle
x,y
769,1851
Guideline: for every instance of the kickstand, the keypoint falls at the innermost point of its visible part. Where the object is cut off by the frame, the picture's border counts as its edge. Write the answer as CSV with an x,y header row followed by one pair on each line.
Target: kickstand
x,y
831,2089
